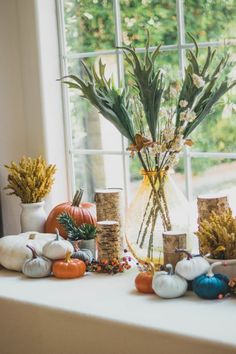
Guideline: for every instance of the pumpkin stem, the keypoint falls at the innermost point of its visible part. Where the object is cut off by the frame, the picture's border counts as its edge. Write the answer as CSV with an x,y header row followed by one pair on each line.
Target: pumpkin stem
x,y
33,251
181,250
68,257
32,236
58,235
169,269
78,197
151,268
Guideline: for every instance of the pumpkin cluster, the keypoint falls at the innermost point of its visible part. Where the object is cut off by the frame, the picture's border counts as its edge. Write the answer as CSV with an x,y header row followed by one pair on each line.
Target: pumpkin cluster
x,y
38,255
193,270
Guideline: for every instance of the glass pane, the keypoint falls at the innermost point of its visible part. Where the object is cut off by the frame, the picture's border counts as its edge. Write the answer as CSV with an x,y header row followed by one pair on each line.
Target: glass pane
x,y
211,20
214,176
89,129
89,25
158,16
97,171
217,132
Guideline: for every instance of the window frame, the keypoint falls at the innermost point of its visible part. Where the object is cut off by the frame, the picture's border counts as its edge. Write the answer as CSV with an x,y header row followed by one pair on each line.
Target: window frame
x,y
180,48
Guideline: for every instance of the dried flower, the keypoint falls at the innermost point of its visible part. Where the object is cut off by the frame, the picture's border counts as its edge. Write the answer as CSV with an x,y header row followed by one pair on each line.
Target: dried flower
x,y
183,103
188,116
169,132
31,180
172,160
156,149
217,235
111,267
198,81
177,143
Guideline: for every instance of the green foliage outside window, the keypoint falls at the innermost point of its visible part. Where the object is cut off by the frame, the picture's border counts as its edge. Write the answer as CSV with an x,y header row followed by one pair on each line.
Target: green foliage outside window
x,y
90,27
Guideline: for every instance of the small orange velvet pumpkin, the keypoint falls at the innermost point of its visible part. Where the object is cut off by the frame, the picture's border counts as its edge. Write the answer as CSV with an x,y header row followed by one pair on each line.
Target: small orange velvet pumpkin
x,y
82,213
68,267
143,281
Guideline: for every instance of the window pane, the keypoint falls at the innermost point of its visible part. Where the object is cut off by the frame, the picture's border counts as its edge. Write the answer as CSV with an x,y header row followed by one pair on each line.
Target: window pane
x,y
211,20
214,176
97,171
89,25
217,132
89,129
167,61
158,16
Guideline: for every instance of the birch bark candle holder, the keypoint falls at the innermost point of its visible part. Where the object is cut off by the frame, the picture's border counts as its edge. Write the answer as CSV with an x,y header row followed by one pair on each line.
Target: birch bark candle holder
x,y
108,240
109,205
171,241
208,203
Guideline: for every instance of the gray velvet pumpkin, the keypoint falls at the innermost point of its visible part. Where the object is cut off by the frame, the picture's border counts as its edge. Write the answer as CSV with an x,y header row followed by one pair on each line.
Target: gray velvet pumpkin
x,y
37,266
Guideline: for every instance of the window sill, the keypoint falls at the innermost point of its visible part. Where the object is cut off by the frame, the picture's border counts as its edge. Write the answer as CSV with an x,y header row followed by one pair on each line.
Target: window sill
x,y
104,314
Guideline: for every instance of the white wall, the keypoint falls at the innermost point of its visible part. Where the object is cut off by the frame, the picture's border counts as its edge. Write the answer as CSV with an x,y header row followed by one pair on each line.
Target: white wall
x,y
31,119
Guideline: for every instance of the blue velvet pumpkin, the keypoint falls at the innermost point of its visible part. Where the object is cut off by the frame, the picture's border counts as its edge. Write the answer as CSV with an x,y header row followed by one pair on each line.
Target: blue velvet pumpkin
x,y
210,285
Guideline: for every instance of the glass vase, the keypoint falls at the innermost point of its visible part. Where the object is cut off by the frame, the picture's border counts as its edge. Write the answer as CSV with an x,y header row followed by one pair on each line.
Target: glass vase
x,y
159,205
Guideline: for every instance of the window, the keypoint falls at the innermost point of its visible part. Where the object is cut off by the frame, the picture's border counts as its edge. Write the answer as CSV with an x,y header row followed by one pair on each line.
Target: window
x,y
91,30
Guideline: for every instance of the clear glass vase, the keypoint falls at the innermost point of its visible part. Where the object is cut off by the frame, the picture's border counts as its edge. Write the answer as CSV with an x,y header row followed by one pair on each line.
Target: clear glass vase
x,y
159,205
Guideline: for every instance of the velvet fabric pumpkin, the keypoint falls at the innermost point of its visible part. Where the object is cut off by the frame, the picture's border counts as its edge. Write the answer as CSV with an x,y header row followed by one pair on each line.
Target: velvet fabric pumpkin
x,y
169,285
82,213
143,281
13,250
191,266
68,268
37,266
83,254
57,248
210,285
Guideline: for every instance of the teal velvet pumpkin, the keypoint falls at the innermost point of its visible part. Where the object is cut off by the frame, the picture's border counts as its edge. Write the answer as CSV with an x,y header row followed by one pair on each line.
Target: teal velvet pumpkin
x,y
210,285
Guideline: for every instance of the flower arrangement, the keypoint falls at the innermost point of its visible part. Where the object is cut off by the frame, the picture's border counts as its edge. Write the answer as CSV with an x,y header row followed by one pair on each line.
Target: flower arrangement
x,y
156,123
75,232
217,235
30,180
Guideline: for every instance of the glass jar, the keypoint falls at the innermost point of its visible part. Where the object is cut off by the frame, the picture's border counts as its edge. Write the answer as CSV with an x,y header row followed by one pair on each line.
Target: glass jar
x,y
159,205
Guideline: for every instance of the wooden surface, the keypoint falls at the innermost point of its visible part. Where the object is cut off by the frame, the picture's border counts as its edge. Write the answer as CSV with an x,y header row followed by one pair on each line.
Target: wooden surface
x,y
171,241
207,204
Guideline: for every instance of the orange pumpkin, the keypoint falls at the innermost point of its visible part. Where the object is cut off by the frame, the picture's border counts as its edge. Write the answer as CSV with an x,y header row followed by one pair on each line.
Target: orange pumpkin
x,y
82,213
68,267
143,281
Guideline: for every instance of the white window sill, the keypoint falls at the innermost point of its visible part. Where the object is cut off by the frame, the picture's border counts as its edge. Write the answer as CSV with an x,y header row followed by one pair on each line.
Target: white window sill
x,y
104,314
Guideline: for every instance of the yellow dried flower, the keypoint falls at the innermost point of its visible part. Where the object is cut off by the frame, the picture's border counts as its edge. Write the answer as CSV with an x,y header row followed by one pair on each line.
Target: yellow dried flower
x,y
217,235
31,180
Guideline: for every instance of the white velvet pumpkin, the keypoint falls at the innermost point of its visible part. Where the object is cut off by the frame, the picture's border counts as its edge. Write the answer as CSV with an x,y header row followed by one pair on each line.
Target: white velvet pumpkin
x,y
169,285
37,266
57,248
191,266
13,250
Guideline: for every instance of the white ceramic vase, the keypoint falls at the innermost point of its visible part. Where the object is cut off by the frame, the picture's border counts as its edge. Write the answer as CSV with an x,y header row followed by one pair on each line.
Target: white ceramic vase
x,y
33,217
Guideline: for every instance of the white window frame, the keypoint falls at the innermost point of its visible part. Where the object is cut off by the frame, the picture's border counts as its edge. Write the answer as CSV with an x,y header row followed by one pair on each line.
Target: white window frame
x,y
180,47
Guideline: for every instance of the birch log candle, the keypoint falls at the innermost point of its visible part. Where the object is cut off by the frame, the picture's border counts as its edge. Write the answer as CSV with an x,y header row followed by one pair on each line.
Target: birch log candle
x,y
109,204
208,203
108,240
171,241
